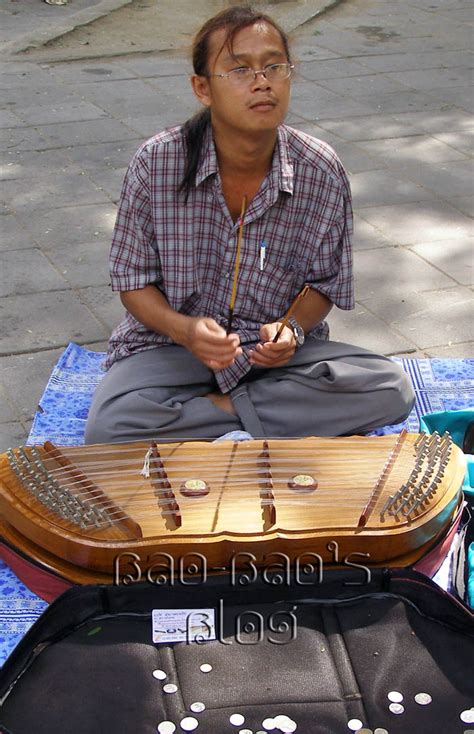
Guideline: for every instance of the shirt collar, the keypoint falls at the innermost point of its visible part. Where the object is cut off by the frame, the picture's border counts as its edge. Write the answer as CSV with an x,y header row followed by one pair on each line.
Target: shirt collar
x,y
281,173
283,162
208,161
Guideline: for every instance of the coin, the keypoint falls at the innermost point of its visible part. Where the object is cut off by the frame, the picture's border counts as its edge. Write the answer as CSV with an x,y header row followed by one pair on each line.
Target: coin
x,y
289,727
189,723
205,668
197,707
354,724
285,724
246,731
396,708
423,698
170,688
467,716
395,696
365,731
166,727
236,719
269,724
159,674
379,730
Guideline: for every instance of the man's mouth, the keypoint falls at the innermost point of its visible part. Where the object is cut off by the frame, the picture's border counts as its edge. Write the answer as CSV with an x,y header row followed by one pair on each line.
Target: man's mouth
x,y
263,104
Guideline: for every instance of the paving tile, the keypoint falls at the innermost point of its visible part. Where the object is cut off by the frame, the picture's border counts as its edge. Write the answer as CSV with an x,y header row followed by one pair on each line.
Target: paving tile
x,y
409,101
379,126
45,321
357,86
102,155
396,270
367,237
23,138
310,50
85,264
435,319
16,164
370,127
465,204
8,119
145,126
356,160
450,179
319,132
104,130
315,103
24,74
460,14
364,329
52,191
456,258
41,95
69,112
28,271
437,120
372,188
71,225
156,66
414,61
417,148
7,410
408,224
177,86
131,95
330,69
109,181
455,351
24,378
94,70
462,141
433,78
11,435
460,96
105,305
13,235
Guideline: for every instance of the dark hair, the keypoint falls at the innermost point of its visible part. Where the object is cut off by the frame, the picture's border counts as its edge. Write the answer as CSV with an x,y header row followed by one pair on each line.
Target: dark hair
x,y
233,19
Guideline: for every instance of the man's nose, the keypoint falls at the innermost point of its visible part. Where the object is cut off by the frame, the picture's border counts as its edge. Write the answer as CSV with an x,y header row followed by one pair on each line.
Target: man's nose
x,y
260,80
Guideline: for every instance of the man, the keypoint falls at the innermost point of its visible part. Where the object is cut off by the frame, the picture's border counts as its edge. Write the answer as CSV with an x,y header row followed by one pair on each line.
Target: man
x,y
174,370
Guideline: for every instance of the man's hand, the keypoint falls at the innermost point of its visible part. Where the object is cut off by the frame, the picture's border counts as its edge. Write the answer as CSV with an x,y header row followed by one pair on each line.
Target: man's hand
x,y
269,354
210,344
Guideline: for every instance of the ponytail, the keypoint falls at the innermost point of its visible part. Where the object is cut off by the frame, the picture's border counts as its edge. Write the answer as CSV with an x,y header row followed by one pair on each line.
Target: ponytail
x,y
194,131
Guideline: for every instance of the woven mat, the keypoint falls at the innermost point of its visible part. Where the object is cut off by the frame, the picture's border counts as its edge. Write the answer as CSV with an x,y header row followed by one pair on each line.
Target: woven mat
x,y
440,384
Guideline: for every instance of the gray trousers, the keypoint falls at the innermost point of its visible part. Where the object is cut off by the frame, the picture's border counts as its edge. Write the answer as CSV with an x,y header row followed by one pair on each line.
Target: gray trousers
x,y
327,389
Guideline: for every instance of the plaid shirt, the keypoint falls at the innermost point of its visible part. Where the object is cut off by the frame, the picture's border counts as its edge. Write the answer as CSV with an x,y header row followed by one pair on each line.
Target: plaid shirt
x,y
302,212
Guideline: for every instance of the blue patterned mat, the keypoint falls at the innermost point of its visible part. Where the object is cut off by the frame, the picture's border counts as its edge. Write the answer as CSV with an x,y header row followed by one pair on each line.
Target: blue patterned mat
x,y
440,384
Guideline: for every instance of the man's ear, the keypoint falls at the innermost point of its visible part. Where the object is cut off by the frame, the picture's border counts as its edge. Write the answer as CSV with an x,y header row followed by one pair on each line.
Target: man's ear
x,y
200,85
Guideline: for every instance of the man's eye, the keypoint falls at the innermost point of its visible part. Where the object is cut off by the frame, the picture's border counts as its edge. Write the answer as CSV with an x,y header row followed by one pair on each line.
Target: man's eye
x,y
241,71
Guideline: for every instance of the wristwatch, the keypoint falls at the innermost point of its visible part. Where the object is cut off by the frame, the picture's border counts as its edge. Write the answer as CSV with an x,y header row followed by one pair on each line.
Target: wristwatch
x,y
298,332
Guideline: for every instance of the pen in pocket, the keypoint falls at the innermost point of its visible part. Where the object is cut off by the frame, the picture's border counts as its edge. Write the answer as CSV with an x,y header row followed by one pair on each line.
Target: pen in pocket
x,y
263,247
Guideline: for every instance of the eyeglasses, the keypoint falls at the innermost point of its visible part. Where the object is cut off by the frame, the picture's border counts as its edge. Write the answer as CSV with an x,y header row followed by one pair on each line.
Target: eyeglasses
x,y
245,75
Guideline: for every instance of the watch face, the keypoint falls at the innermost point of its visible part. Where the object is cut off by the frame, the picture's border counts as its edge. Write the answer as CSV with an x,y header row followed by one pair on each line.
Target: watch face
x,y
298,332
299,336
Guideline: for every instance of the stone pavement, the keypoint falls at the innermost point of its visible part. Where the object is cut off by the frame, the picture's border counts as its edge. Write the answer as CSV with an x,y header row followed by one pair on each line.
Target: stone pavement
x,y
386,82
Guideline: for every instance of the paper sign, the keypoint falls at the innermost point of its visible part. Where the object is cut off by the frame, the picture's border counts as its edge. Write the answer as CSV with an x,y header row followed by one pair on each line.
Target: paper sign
x,y
183,625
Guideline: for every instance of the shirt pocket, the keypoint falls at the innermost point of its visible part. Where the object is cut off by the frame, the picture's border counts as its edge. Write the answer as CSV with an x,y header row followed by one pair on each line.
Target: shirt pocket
x,y
269,292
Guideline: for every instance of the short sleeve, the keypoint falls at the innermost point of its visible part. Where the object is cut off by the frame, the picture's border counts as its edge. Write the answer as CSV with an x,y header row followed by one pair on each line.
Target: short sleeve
x,y
134,259
331,271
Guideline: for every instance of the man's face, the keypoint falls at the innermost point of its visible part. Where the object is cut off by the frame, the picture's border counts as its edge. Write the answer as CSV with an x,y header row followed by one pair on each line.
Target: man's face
x,y
253,106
